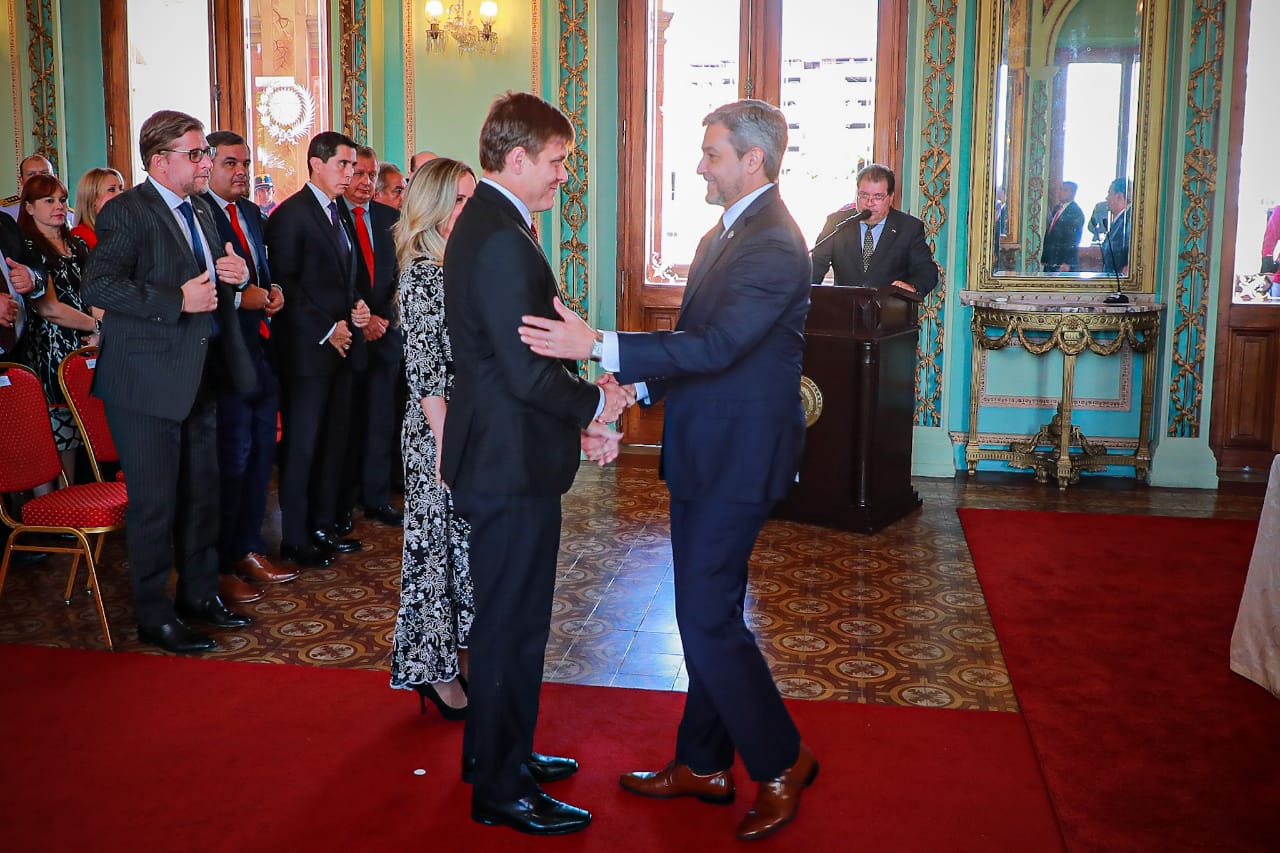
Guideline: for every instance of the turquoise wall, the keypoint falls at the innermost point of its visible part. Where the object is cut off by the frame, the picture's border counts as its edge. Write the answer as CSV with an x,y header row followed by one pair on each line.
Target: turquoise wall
x,y
84,137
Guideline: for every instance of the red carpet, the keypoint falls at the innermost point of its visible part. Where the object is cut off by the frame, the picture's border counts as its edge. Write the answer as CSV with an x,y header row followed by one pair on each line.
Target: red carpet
x,y
1116,632
110,752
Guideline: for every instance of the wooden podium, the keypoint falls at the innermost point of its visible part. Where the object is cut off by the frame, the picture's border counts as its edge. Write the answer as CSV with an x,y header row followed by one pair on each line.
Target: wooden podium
x,y
859,395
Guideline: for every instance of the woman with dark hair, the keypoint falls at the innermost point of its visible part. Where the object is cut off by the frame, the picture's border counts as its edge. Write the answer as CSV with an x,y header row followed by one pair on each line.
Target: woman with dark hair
x,y
96,188
61,321
436,600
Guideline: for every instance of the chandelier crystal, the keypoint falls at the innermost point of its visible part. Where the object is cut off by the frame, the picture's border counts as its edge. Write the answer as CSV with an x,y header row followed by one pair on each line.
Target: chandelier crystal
x,y
459,25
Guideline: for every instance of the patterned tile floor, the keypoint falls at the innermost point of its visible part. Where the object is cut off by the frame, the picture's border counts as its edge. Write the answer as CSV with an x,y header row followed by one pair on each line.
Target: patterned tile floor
x,y
893,618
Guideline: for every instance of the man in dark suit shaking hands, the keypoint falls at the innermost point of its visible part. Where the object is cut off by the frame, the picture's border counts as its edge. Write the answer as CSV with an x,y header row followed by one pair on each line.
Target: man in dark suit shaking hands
x,y
516,425
875,245
167,283
733,432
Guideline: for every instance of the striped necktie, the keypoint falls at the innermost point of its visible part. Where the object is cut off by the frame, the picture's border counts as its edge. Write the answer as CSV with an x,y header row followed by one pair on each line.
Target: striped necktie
x,y
868,248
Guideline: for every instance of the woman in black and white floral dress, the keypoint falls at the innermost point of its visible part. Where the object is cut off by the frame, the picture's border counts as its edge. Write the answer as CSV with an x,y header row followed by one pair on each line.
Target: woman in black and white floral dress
x,y
436,600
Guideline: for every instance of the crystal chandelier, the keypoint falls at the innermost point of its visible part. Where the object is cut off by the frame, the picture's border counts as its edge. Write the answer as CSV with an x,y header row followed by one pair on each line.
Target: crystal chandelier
x,y
459,25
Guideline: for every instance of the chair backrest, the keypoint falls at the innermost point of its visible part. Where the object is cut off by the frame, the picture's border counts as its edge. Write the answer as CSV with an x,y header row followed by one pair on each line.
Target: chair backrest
x,y
75,375
28,456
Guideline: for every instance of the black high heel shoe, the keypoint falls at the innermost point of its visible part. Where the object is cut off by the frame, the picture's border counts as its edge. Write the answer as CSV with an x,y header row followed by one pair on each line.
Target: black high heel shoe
x,y
428,691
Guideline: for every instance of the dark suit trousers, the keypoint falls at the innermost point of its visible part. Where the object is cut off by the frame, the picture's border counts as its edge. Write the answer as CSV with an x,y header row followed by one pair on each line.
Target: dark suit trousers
x,y
246,453
316,417
373,434
171,468
514,540
732,701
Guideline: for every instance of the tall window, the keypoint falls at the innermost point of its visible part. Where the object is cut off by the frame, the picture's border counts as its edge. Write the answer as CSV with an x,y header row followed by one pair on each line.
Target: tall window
x,y
820,62
287,62
257,67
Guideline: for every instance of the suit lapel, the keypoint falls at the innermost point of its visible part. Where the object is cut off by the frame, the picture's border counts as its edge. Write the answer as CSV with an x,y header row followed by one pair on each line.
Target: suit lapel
x,y
888,236
720,246
152,198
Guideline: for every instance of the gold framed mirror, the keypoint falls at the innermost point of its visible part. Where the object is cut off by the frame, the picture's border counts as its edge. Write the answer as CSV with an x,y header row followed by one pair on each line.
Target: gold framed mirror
x,y
1068,113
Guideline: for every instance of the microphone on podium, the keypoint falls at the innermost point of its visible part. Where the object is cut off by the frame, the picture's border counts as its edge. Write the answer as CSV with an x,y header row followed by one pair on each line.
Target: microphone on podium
x,y
856,216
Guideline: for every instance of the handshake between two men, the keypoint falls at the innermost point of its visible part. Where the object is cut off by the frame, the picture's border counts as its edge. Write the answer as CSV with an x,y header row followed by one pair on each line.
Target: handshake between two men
x,y
570,337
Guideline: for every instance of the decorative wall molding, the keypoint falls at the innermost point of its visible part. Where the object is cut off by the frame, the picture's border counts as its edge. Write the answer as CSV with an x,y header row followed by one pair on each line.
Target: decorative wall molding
x,y
1121,402
1113,442
1189,308
410,53
575,286
353,17
15,77
44,83
938,92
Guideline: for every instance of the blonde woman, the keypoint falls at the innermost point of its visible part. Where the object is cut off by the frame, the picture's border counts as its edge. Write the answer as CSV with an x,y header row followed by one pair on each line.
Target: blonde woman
x,y
96,188
436,602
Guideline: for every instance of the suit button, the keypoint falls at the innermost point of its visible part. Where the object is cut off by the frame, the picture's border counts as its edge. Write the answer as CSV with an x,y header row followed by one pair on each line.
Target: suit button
x,y
204,341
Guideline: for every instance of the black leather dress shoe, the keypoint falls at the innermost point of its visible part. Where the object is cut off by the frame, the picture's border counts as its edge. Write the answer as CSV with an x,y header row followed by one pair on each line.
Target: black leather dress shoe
x,y
535,815
176,637
543,768
385,514
307,555
330,541
212,611
344,525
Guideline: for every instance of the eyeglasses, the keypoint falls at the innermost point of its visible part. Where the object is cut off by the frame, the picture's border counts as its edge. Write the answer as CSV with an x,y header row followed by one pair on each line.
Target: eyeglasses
x,y
195,155
878,197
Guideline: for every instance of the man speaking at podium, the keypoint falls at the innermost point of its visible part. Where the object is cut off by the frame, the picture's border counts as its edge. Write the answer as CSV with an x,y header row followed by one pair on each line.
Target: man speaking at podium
x,y
874,245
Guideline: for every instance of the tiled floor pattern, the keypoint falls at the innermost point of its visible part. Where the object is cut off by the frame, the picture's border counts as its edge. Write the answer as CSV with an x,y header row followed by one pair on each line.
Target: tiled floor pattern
x,y
893,618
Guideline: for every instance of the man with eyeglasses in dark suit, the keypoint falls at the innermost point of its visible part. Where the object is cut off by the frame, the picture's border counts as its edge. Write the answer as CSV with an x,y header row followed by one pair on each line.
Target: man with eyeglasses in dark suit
x,y
167,283
874,244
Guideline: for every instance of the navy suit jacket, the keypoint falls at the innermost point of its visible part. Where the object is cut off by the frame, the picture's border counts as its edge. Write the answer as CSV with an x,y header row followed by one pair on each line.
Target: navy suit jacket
x,y
902,254
251,223
319,288
152,355
380,292
730,372
514,417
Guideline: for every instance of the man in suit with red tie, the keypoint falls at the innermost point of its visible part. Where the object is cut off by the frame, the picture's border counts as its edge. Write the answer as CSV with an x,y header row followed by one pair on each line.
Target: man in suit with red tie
x,y
246,423
374,435
167,283
732,436
1061,252
313,250
875,245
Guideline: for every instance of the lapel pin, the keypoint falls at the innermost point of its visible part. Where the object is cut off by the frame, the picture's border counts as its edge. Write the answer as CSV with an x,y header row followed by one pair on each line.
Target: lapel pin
x,y
729,236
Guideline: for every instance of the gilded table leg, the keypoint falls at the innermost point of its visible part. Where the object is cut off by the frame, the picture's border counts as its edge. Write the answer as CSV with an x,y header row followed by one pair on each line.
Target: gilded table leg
x,y
1064,428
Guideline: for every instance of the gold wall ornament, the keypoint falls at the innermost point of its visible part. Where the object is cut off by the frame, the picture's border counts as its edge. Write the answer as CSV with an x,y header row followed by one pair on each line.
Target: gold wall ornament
x,y
572,96
938,92
43,93
1200,173
353,57
287,111
811,399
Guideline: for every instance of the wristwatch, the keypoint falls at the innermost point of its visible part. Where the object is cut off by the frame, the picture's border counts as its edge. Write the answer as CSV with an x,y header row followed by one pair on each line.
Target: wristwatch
x,y
597,347
97,327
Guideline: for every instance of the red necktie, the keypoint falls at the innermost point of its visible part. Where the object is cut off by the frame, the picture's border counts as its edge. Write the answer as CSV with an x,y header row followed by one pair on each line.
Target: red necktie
x,y
1054,221
244,244
362,236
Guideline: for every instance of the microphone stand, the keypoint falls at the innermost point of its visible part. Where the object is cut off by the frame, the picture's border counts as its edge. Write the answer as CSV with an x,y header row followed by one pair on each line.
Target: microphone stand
x,y
1117,298
856,216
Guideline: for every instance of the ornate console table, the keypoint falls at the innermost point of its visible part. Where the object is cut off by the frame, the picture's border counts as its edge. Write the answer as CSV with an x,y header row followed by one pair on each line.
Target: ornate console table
x,y
1073,324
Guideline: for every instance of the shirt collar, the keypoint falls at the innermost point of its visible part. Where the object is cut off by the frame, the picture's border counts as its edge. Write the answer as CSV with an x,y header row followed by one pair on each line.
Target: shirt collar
x,y
170,197
319,194
733,211
520,205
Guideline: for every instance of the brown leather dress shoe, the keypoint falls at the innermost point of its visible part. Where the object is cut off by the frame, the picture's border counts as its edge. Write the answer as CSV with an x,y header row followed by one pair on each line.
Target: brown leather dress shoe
x,y
677,780
778,799
258,568
237,590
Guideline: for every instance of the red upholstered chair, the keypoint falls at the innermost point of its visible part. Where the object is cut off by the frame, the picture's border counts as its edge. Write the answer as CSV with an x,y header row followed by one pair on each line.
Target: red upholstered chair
x,y
28,457
75,375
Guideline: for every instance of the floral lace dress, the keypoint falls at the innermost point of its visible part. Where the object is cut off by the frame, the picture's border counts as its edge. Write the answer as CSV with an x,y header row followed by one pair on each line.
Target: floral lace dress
x,y
46,344
437,604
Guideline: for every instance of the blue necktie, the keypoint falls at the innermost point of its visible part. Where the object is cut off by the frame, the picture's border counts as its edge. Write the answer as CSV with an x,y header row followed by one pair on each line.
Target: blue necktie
x,y
197,247
344,248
